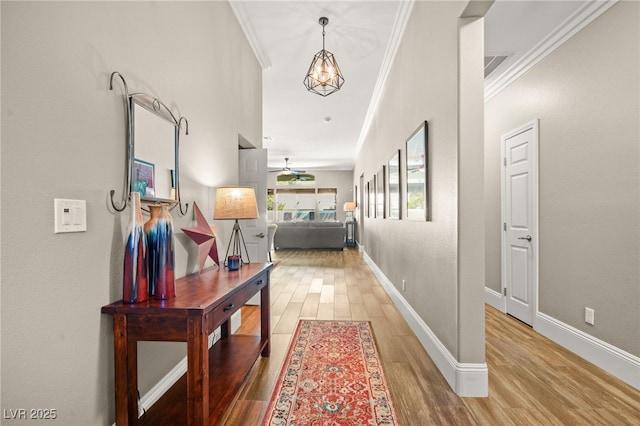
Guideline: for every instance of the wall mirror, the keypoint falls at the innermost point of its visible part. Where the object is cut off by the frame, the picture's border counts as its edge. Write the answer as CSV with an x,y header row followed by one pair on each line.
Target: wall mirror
x,y
153,140
154,149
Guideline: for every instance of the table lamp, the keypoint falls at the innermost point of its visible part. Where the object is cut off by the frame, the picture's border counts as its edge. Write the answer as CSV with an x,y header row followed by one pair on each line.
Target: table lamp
x,y
349,207
236,202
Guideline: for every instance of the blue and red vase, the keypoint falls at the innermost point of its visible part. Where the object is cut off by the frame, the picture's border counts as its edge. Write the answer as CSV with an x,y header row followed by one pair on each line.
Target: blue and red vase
x,y
161,252
135,286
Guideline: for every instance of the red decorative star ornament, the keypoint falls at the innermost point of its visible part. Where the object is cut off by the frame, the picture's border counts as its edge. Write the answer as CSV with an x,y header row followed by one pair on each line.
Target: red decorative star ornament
x,y
205,236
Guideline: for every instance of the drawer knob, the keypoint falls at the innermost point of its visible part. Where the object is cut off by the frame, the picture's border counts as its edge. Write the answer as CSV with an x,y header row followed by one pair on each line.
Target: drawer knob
x,y
259,282
228,308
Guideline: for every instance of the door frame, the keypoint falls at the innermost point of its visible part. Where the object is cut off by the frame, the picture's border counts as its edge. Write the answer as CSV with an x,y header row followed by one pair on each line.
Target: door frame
x,y
256,180
534,199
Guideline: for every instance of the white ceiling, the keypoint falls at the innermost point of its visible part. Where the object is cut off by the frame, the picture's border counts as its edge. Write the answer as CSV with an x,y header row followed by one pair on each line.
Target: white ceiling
x,y
323,133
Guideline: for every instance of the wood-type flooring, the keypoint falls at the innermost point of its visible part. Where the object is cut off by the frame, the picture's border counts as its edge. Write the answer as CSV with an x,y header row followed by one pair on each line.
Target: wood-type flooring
x,y
532,380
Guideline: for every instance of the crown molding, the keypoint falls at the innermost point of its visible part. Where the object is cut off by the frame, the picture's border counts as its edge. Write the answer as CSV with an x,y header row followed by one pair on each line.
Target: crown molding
x,y
567,29
399,25
239,10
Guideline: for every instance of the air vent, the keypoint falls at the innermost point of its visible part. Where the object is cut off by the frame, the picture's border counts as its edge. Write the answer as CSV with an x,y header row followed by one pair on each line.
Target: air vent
x,y
492,62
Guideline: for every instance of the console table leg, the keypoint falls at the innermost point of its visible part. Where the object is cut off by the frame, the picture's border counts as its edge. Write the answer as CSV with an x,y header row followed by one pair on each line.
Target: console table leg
x,y
197,373
265,318
132,373
126,373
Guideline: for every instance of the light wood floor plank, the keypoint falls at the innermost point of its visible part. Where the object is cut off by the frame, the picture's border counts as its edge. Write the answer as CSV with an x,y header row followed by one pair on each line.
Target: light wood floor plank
x,y
310,306
358,311
289,319
327,293
354,294
300,293
316,285
341,307
325,311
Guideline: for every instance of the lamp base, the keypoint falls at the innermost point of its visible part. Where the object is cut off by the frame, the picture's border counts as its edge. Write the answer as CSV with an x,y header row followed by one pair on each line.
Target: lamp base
x,y
237,240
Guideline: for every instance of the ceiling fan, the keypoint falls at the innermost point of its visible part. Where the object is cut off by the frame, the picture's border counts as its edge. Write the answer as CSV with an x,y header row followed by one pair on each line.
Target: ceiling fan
x,y
286,170
287,174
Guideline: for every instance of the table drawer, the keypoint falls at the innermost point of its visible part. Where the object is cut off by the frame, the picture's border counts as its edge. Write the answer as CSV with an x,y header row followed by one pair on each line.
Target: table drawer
x,y
232,303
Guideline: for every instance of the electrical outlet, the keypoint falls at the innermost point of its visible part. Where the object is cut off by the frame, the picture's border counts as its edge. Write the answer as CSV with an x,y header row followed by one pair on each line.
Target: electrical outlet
x,y
589,316
404,285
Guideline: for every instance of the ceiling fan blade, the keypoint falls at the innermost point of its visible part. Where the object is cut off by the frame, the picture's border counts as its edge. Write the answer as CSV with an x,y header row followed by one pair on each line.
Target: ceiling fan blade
x,y
295,177
286,171
305,177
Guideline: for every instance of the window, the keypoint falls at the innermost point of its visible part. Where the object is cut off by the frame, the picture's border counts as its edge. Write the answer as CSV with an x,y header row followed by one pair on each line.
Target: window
x,y
304,204
327,204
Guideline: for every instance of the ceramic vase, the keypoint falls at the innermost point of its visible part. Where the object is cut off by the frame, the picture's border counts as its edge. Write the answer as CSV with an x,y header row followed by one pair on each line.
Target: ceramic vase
x,y
161,248
135,287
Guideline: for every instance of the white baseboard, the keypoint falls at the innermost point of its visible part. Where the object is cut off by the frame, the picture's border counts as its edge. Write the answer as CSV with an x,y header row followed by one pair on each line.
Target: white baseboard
x,y
613,360
493,298
162,386
466,379
169,379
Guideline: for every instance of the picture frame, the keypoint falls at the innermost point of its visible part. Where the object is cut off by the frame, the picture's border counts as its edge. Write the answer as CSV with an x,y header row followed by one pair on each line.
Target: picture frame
x,y
417,175
365,199
372,197
380,193
144,178
355,195
393,187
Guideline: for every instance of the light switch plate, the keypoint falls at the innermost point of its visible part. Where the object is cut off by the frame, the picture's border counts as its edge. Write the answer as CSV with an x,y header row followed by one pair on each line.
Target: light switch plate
x,y
69,215
589,316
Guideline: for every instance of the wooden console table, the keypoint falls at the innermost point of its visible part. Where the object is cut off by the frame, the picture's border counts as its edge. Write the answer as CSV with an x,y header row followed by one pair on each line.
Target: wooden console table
x,y
204,302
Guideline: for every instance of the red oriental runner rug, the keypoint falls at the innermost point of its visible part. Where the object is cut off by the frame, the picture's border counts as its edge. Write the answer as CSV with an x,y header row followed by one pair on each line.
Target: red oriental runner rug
x,y
331,375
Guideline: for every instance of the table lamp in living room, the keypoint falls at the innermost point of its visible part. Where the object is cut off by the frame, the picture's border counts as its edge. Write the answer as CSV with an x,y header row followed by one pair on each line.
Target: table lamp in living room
x,y
349,207
236,202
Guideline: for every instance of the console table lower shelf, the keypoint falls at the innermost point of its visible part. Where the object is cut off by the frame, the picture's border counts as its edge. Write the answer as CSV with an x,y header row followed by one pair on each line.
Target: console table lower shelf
x,y
230,361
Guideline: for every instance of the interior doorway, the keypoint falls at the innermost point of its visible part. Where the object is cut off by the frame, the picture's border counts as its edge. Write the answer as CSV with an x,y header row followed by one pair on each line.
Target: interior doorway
x,y
519,194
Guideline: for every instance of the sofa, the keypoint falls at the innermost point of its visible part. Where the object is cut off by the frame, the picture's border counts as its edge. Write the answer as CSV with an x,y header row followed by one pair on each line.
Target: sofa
x,y
309,235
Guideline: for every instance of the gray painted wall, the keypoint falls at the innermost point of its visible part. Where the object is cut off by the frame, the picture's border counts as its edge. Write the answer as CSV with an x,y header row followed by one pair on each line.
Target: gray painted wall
x,y
440,260
63,137
587,97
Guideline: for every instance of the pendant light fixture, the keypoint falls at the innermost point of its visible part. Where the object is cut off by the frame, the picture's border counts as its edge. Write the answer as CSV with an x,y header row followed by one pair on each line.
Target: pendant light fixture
x,y
323,77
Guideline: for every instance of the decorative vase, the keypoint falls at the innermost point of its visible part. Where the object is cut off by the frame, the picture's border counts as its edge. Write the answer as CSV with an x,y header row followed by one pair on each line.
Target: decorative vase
x,y
135,287
160,244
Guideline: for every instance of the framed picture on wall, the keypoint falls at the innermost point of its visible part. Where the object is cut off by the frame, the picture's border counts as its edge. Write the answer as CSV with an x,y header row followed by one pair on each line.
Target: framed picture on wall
x,y
380,188
417,175
144,178
365,199
372,197
355,195
393,186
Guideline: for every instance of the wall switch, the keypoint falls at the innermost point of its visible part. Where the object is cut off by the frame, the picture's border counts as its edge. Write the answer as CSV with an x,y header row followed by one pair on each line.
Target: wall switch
x,y
589,316
404,285
69,215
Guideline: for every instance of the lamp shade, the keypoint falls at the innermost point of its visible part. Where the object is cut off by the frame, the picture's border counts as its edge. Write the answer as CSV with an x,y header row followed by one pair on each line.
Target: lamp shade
x,y
235,202
349,206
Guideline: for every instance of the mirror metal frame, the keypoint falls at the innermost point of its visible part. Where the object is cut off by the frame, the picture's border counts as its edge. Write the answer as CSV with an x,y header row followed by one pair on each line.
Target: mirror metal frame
x,y
157,107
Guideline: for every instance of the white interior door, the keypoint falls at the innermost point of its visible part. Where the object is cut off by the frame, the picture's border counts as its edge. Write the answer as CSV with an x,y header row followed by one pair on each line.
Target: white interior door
x,y
252,170
520,221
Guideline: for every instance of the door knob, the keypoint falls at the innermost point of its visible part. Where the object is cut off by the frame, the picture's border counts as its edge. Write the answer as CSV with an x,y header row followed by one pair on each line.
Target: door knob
x,y
528,238
260,235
